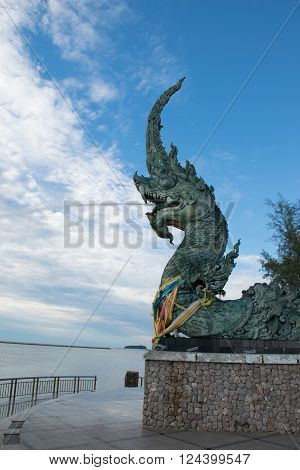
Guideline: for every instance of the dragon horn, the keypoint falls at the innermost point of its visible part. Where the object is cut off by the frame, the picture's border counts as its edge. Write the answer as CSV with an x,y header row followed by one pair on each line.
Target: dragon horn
x,y
156,153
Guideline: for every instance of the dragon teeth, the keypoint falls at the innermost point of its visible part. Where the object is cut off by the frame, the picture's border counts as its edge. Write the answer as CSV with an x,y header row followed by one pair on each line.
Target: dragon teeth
x,y
154,197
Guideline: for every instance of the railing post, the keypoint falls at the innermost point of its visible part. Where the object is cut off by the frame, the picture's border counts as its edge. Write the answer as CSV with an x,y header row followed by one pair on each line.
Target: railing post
x,y
95,383
78,380
12,397
57,386
36,389
54,386
75,384
32,392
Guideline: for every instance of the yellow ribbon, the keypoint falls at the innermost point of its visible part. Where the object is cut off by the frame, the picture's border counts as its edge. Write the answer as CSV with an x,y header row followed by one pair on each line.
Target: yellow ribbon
x,y
186,314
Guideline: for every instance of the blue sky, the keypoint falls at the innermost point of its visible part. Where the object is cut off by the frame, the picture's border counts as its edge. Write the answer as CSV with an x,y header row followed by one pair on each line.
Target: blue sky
x,y
74,129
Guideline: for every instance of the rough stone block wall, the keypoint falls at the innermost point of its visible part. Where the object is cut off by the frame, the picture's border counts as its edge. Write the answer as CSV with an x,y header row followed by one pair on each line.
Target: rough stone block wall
x,y
222,396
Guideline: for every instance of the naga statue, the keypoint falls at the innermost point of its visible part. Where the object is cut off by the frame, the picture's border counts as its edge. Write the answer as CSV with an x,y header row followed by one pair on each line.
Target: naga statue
x,y
189,297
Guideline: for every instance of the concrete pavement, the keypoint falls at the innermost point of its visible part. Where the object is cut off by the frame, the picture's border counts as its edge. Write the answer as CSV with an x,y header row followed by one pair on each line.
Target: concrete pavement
x,y
114,421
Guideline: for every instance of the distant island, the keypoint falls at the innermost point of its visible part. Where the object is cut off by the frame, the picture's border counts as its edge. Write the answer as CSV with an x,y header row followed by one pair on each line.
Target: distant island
x,y
53,345
135,347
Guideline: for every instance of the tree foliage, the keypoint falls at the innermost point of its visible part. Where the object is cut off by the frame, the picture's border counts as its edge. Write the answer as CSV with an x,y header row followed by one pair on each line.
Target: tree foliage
x,y
284,221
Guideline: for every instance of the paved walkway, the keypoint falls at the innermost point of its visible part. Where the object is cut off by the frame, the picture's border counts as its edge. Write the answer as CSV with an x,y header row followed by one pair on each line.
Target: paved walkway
x,y
113,421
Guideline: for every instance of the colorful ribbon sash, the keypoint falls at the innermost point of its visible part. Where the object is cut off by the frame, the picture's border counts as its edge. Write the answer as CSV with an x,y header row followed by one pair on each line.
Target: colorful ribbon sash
x,y
163,306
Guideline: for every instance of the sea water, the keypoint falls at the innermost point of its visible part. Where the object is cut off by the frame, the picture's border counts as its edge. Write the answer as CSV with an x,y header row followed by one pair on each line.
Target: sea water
x,y
110,365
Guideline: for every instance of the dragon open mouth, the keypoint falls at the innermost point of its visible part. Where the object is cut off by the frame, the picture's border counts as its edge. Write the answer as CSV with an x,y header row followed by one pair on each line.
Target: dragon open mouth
x,y
160,201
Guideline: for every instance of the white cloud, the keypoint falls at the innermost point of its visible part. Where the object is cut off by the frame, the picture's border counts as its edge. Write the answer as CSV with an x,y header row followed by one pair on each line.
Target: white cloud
x,y
101,91
245,274
46,314
77,28
45,158
250,260
225,155
157,67
69,31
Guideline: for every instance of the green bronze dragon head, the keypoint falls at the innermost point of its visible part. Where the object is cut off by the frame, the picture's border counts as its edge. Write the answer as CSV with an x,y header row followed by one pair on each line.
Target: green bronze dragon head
x,y
179,195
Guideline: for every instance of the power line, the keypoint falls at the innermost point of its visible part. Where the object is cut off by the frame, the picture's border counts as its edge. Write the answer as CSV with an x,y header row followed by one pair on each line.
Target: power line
x,y
246,82
92,314
65,99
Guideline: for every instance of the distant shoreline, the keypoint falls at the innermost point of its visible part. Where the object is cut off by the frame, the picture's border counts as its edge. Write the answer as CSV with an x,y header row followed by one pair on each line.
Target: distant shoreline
x,y
52,345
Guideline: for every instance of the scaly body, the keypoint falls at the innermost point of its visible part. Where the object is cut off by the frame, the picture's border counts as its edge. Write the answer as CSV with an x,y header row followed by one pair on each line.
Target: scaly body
x,y
183,200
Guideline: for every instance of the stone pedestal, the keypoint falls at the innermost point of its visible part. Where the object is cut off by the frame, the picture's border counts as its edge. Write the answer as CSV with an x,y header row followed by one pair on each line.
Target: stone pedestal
x,y
222,392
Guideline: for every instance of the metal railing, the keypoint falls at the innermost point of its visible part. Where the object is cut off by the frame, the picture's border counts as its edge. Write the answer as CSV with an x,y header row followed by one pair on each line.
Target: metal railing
x,y
33,387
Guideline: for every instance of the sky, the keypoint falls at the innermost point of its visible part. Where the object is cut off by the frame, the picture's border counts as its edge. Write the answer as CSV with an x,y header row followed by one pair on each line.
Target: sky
x,y
80,263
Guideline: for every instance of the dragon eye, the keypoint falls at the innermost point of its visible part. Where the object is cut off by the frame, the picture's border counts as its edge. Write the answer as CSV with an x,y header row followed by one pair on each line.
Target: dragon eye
x,y
200,186
167,182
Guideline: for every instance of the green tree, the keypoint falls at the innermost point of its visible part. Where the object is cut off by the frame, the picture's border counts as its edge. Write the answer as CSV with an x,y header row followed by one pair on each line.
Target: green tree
x,y
284,221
